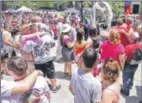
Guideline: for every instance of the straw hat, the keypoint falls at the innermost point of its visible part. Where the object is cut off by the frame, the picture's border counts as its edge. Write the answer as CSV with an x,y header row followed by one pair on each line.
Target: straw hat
x,y
66,28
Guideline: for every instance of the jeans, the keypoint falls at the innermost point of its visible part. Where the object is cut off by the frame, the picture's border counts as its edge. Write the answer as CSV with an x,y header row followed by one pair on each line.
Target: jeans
x,y
128,76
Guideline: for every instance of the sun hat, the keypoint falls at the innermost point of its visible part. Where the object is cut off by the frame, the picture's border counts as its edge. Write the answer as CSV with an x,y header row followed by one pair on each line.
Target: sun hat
x,y
66,28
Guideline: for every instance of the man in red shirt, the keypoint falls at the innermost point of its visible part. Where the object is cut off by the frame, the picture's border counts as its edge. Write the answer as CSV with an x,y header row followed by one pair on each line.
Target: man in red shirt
x,y
130,26
124,36
130,69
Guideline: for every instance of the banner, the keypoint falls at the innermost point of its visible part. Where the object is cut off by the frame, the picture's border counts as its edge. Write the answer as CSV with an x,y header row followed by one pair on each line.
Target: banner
x,y
128,7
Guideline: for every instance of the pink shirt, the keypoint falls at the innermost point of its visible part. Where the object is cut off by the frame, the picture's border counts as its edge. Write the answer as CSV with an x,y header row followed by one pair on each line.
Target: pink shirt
x,y
110,50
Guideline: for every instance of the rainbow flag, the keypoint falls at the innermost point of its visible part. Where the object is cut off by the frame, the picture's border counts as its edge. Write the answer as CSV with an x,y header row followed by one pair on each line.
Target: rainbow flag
x,y
127,7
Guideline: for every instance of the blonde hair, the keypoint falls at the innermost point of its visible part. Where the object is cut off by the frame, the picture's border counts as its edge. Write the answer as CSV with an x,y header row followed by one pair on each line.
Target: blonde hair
x,y
114,36
9,28
111,70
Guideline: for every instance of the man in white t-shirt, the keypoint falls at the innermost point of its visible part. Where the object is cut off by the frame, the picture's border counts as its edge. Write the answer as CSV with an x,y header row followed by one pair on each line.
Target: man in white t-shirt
x,y
40,47
17,67
11,90
84,86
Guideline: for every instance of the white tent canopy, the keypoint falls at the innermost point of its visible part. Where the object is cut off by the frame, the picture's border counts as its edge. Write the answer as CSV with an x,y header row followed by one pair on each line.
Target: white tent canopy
x,y
71,10
24,9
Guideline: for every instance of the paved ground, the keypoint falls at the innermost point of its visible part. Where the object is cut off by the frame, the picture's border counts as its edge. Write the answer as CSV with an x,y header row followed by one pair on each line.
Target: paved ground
x,y
64,96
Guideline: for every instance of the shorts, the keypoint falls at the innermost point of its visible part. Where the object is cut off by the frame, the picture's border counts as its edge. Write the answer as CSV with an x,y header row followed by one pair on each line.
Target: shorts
x,y
47,69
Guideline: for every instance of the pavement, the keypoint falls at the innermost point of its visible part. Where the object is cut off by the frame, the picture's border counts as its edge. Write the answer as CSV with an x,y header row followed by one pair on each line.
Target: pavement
x,y
64,95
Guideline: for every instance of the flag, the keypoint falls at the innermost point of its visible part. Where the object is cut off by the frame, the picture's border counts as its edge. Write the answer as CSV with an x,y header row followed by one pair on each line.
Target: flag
x,y
127,7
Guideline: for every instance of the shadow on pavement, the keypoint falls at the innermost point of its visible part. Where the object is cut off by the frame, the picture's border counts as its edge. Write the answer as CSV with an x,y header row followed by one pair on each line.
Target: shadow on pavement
x,y
135,99
58,61
61,75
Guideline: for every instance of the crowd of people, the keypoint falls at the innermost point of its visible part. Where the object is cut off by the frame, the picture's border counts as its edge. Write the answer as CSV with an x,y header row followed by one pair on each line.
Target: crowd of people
x,y
100,54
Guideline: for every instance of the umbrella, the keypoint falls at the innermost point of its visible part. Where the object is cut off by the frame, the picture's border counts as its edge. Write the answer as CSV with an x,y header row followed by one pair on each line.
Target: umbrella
x,y
10,11
71,10
24,9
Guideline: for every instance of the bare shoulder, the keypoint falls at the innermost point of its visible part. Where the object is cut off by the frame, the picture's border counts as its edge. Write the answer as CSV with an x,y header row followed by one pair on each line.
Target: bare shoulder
x,y
108,93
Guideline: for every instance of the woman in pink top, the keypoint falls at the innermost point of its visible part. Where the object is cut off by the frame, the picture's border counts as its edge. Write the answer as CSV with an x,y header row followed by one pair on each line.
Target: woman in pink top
x,y
111,82
112,48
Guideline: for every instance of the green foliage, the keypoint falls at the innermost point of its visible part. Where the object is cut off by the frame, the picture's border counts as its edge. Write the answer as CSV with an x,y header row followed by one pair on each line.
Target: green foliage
x,y
30,4
87,3
117,7
27,4
140,8
37,4
44,4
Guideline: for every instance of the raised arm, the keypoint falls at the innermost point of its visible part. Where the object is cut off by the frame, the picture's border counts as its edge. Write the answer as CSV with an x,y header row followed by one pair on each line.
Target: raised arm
x,y
26,84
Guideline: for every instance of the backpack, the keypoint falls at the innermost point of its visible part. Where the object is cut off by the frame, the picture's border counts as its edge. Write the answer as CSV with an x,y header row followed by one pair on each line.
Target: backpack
x,y
137,57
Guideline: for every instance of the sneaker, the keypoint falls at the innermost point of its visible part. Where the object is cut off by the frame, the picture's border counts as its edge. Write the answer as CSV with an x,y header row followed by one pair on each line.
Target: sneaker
x,y
124,92
54,90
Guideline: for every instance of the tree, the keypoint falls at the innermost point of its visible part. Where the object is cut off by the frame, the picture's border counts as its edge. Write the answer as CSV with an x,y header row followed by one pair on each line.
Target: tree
x,y
3,5
117,8
30,4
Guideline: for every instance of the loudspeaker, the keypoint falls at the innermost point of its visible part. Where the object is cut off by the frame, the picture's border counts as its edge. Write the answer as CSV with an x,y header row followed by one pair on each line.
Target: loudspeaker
x,y
136,8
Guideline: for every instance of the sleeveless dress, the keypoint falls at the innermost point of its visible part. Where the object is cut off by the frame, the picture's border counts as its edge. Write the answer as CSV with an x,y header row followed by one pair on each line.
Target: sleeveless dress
x,y
79,48
67,53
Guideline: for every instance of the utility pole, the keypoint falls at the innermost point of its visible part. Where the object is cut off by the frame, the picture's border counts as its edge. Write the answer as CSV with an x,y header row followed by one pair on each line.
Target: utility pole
x,y
81,11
